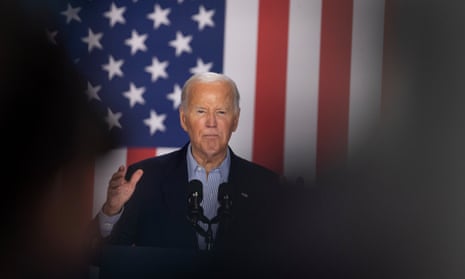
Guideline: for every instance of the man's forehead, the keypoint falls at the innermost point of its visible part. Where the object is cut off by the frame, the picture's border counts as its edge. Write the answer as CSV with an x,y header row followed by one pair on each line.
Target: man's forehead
x,y
219,85
222,90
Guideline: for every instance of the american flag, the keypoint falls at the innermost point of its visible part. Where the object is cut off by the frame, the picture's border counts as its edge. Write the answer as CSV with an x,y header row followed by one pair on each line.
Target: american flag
x,y
309,73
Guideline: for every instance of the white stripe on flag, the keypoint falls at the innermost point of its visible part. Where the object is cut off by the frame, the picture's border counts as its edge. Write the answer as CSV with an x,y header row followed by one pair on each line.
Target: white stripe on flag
x,y
302,89
240,57
165,150
366,70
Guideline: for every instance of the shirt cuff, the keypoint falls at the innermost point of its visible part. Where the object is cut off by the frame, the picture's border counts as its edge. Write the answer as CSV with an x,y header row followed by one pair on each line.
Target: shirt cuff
x,y
106,222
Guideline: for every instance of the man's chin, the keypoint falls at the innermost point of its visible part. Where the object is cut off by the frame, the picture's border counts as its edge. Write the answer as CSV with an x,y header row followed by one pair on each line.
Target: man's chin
x,y
213,149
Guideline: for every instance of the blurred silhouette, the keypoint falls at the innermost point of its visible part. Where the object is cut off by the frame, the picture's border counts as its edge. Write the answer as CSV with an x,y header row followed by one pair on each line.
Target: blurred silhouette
x,y
50,138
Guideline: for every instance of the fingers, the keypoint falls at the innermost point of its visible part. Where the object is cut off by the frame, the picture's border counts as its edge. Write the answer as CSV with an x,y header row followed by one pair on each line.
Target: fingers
x,y
120,173
118,177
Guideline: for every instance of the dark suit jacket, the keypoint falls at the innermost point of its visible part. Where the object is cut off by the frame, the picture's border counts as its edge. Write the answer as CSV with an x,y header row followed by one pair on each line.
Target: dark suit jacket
x,y
156,213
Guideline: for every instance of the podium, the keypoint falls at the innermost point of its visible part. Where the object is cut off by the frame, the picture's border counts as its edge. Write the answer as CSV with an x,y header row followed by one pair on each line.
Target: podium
x,y
118,262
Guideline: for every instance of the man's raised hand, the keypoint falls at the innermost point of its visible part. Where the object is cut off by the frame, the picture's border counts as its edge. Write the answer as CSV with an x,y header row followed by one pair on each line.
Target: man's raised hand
x,y
120,190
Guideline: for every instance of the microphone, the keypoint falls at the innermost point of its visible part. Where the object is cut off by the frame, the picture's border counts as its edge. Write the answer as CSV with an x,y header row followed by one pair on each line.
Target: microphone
x,y
195,211
194,198
224,213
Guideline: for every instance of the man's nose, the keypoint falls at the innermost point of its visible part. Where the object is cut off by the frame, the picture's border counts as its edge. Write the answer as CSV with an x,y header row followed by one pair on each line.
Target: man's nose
x,y
211,119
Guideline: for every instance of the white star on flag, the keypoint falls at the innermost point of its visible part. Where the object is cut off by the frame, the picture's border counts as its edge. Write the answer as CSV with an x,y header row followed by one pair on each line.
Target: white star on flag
x,y
181,43
71,13
113,119
155,122
201,67
113,67
51,36
136,42
175,96
157,69
204,17
134,95
115,15
92,91
93,40
159,16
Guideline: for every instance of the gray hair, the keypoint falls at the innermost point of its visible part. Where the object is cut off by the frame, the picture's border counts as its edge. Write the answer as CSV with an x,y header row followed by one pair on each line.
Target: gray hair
x,y
209,77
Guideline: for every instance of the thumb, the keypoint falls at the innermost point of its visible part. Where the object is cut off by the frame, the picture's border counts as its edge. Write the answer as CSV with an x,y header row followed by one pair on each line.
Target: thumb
x,y
136,176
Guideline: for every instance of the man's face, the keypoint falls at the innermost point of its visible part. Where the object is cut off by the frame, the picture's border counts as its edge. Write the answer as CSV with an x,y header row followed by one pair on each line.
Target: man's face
x,y
210,118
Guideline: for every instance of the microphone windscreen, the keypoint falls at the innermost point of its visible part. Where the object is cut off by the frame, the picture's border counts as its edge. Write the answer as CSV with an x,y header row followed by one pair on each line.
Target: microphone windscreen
x,y
195,186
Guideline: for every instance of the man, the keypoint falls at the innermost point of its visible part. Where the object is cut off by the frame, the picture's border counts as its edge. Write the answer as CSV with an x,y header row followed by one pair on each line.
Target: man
x,y
147,203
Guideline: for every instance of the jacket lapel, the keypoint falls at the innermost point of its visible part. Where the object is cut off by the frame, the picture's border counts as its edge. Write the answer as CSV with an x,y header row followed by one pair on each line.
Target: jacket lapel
x,y
241,195
174,191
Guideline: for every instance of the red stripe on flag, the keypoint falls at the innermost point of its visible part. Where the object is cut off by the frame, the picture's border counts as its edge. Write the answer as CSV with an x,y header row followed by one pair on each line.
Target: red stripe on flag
x,y
270,97
136,154
334,83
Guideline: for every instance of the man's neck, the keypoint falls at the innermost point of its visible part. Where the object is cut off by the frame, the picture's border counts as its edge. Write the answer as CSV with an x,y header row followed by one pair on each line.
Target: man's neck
x,y
209,162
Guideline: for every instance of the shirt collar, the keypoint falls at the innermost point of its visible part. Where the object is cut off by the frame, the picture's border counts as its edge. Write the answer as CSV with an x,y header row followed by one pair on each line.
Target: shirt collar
x,y
192,165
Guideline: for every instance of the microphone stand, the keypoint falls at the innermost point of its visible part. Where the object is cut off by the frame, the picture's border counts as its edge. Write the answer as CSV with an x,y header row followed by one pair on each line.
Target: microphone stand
x,y
209,237
207,234
223,216
195,214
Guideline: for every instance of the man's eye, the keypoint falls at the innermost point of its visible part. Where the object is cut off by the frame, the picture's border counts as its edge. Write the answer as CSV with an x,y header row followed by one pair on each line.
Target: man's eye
x,y
200,111
221,112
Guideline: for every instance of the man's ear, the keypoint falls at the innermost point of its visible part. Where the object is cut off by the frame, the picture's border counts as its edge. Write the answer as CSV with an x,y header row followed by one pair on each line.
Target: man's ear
x,y
236,120
182,118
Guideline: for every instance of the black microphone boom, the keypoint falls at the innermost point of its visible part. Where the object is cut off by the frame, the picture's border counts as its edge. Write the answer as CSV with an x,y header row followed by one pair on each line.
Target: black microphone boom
x,y
195,211
225,196
194,198
224,213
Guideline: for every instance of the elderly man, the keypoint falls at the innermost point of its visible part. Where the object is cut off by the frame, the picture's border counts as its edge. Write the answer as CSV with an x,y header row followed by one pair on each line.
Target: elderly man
x,y
148,203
